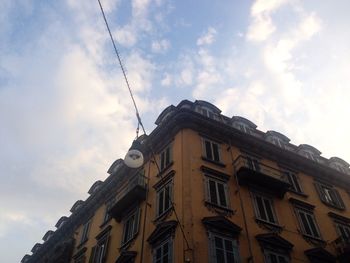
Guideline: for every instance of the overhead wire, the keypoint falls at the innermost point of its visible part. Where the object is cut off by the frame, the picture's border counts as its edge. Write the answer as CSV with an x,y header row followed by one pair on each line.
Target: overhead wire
x,y
138,115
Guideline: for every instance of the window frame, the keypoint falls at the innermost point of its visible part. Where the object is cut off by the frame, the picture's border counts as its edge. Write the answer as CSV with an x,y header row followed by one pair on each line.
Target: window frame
x,y
257,210
213,155
166,157
329,195
293,179
162,191
98,255
268,252
346,230
213,257
135,224
208,193
160,246
308,214
85,234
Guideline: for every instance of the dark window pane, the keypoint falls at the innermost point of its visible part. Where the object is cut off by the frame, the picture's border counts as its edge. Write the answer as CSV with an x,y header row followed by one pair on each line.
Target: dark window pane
x,y
212,190
218,243
208,150
312,225
261,209
269,212
305,223
220,257
160,202
273,258
167,198
216,152
222,194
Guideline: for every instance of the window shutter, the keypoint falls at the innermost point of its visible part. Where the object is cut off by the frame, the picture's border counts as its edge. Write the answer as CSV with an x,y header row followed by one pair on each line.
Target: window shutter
x,y
320,191
92,255
236,252
137,221
170,153
340,202
227,195
170,249
206,189
105,251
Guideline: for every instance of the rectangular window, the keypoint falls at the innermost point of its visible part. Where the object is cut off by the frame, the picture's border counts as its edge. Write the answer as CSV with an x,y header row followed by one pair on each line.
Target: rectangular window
x,y
253,163
293,181
307,223
211,150
217,192
109,204
264,209
85,233
164,197
343,231
329,195
165,157
223,249
131,226
275,257
99,252
163,253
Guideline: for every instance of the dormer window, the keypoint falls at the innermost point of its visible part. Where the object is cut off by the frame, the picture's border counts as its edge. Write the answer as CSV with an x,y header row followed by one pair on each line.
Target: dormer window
x,y
339,165
243,124
207,109
277,139
309,152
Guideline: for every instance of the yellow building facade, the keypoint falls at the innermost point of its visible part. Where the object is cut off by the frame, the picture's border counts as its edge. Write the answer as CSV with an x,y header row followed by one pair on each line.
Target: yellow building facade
x,y
212,189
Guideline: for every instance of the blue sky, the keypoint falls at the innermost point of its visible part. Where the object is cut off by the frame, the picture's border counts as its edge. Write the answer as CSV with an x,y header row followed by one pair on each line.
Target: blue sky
x,y
66,115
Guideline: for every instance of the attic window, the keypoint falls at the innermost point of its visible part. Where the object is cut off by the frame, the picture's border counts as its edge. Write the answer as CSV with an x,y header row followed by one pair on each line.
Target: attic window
x,y
309,155
243,127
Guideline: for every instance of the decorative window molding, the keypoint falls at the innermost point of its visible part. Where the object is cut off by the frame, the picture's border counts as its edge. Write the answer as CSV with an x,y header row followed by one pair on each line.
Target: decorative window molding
x,y
329,195
80,255
243,124
319,254
130,227
99,252
126,257
161,240
223,249
275,248
223,244
342,226
309,152
339,164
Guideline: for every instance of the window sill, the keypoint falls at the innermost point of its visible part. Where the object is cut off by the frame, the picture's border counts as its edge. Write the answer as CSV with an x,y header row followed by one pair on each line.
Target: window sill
x,y
214,162
297,193
82,243
219,209
314,240
164,215
333,206
163,171
105,222
268,225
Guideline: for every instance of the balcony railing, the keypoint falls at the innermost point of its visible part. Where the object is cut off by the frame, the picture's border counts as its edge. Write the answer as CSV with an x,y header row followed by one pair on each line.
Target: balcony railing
x,y
342,247
253,172
130,192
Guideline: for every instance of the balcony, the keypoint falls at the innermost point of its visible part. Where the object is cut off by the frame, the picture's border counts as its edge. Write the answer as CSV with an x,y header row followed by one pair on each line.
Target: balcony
x,y
342,247
130,192
253,173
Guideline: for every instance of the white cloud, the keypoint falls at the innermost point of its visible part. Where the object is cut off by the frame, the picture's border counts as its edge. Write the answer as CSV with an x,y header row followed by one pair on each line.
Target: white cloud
x,y
207,38
126,36
160,46
262,26
167,80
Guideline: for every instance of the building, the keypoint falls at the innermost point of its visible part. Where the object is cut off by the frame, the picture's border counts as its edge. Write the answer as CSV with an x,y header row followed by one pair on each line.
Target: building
x,y
219,190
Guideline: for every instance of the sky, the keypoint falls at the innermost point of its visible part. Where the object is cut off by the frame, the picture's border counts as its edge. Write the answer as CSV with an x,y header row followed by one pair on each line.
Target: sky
x,y
65,112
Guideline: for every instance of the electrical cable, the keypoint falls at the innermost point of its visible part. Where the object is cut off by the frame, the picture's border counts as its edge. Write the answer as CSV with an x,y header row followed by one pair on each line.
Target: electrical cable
x,y
138,115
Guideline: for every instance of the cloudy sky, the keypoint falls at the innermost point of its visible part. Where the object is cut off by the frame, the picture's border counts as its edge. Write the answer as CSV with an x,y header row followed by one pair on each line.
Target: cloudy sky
x,y
65,114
